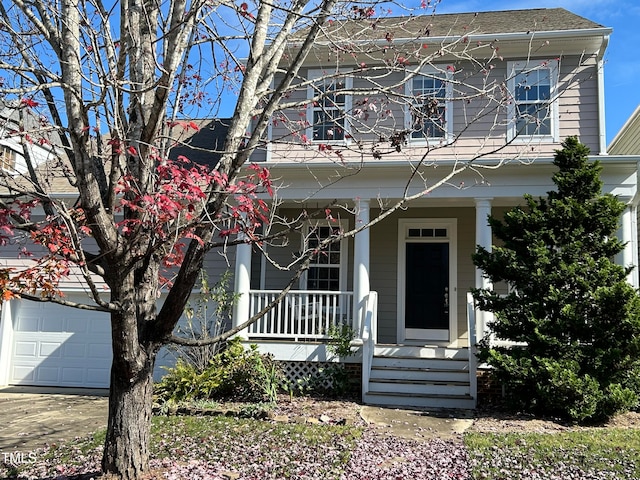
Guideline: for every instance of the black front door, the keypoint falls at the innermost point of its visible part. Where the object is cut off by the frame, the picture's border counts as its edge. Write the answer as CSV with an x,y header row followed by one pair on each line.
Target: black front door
x,y
427,291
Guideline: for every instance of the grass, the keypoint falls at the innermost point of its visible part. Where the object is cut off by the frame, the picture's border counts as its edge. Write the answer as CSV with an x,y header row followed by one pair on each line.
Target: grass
x,y
185,446
597,453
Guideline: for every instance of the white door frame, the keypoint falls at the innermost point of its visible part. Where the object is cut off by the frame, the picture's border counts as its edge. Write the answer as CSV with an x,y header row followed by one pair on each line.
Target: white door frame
x,y
451,224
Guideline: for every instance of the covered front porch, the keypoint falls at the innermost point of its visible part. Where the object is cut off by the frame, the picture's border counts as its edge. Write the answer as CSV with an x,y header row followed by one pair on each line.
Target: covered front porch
x,y
419,352
402,286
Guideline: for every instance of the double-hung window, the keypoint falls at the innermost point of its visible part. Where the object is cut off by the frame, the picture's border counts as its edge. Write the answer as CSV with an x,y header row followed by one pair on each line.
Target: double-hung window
x,y
533,111
429,113
327,269
328,107
7,158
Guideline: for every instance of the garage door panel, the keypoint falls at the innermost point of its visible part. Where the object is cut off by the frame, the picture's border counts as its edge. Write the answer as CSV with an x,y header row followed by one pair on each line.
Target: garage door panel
x,y
49,349
100,351
52,324
77,325
98,376
73,376
27,324
25,374
74,350
46,374
96,326
27,349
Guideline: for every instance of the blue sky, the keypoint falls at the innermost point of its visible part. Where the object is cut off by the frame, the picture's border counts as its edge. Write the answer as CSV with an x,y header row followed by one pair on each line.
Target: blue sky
x,y
622,68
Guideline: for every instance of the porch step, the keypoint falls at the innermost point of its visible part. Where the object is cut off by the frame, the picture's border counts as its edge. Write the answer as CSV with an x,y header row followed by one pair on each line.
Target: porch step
x,y
421,351
410,400
420,377
419,374
420,363
393,385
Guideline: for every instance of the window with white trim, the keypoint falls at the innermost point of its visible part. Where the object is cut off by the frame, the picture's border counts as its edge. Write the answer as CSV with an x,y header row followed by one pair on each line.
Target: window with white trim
x,y
327,270
428,117
7,158
327,112
533,111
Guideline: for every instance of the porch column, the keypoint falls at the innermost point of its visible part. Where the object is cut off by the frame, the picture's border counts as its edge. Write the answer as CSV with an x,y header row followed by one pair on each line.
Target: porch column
x,y
242,284
361,285
483,239
628,234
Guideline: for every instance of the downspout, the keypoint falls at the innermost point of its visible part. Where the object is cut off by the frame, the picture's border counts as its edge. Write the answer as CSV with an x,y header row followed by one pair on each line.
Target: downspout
x,y
601,111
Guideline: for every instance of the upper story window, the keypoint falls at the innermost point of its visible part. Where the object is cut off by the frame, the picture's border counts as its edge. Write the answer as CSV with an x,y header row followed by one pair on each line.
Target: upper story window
x,y
428,117
7,158
327,113
327,270
533,111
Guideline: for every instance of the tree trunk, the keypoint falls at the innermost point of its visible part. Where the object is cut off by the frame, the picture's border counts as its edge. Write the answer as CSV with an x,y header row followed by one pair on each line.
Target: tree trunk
x,y
126,450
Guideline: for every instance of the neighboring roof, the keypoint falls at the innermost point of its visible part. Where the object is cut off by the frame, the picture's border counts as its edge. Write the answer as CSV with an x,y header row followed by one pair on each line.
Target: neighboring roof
x,y
205,145
627,140
200,141
443,25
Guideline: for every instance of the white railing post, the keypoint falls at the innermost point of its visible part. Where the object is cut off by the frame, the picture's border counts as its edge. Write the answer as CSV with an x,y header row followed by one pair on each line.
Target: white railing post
x,y
473,348
368,338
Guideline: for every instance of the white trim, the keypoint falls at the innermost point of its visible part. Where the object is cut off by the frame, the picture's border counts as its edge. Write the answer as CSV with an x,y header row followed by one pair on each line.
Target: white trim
x,y
451,224
344,249
601,109
6,341
515,68
446,76
324,76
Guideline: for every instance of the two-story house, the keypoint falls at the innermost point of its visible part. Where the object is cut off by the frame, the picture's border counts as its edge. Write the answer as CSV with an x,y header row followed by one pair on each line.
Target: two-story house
x,y
423,125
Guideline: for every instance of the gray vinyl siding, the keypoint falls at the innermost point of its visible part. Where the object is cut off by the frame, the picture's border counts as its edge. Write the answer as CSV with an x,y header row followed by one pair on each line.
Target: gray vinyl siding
x,y
479,121
578,103
384,275
466,270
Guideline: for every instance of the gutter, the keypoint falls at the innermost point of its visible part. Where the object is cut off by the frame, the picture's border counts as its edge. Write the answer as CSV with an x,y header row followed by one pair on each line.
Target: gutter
x,y
482,37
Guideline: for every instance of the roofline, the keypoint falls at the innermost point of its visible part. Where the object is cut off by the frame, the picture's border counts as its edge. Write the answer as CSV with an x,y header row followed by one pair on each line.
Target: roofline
x,y
543,34
546,160
634,118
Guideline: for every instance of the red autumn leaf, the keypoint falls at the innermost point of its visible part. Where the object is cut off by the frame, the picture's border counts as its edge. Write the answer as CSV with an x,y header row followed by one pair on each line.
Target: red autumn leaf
x,y
29,102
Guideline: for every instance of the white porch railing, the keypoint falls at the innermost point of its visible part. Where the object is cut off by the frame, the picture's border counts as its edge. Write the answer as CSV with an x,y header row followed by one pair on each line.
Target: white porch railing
x,y
300,315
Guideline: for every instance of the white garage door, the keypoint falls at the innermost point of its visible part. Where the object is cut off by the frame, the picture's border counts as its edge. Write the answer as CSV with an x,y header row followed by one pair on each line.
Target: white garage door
x,y
59,346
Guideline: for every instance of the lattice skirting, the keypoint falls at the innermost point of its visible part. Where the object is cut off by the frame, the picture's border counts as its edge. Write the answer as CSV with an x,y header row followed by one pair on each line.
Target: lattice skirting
x,y
301,373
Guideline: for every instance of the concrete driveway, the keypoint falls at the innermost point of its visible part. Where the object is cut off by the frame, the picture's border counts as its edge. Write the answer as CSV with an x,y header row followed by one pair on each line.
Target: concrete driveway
x,y
32,417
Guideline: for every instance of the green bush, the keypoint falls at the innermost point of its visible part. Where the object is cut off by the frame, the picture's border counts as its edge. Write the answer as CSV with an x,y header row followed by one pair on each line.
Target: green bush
x,y
234,373
560,296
